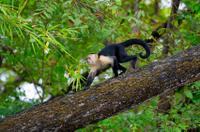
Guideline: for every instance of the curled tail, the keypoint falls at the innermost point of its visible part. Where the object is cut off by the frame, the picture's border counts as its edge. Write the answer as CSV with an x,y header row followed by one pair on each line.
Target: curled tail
x,y
138,42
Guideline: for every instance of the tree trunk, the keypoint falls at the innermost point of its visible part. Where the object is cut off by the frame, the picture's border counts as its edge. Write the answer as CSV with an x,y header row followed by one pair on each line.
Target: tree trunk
x,y
135,28
136,6
71,112
174,10
156,7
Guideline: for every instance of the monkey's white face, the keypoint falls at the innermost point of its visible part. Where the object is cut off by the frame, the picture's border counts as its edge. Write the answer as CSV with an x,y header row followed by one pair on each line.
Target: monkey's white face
x,y
92,59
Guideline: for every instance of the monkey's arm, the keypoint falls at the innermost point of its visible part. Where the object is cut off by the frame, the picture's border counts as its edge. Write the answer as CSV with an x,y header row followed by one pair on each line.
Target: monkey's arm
x,y
115,66
90,79
92,75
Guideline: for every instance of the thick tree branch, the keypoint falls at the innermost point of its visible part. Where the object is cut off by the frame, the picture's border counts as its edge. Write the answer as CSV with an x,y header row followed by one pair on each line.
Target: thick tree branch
x,y
70,112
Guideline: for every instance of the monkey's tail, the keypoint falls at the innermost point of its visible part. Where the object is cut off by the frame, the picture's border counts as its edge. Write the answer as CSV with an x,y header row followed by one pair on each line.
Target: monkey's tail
x,y
138,42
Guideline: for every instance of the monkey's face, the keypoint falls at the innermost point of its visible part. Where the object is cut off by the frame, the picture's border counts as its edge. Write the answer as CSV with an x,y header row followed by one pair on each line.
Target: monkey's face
x,y
92,59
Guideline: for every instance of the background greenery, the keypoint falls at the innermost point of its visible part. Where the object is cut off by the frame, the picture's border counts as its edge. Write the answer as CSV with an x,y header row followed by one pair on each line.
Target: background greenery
x,y
45,42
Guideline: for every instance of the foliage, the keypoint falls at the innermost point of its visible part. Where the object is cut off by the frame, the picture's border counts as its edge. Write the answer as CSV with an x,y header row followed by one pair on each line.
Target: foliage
x,y
11,106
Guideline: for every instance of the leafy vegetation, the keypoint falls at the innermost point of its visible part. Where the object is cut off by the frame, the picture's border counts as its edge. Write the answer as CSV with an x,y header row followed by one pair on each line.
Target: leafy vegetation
x,y
45,43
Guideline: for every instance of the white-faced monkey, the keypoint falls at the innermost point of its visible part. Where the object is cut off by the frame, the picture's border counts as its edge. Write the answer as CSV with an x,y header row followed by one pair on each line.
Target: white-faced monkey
x,y
111,56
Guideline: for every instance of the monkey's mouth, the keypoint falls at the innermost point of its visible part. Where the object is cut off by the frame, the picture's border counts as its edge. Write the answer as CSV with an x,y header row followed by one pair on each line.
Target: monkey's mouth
x,y
89,61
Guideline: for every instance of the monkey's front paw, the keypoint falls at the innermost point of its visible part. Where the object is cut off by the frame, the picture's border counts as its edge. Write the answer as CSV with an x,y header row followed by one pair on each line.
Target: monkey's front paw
x,y
86,87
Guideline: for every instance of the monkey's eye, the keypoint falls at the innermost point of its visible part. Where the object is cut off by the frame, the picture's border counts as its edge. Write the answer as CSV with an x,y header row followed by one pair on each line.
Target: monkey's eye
x,y
88,59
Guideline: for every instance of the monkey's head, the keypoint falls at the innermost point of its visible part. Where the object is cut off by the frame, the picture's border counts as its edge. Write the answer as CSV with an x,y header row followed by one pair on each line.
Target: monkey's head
x,y
92,59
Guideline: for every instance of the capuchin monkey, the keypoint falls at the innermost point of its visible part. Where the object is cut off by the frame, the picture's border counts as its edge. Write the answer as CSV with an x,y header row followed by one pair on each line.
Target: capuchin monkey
x,y
111,56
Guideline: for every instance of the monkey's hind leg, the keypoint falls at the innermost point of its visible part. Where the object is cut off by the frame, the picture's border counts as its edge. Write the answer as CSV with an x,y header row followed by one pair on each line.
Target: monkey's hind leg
x,y
133,62
127,58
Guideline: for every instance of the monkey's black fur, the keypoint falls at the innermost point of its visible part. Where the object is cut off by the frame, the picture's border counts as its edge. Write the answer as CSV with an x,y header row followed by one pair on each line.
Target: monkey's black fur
x,y
118,55
117,51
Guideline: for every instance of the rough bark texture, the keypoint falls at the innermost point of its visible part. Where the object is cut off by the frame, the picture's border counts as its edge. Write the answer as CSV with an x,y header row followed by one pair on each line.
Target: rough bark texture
x,y
156,7
70,112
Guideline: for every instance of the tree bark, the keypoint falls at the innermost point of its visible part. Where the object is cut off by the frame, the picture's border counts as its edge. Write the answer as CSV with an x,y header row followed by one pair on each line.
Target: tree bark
x,y
174,10
135,28
70,112
156,7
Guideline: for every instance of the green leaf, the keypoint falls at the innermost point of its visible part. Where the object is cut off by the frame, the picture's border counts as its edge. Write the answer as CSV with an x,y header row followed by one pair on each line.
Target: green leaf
x,y
118,2
188,93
